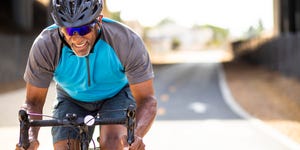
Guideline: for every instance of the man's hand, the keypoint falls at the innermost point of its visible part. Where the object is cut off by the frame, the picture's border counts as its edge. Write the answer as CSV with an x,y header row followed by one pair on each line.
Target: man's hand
x,y
18,148
33,146
138,144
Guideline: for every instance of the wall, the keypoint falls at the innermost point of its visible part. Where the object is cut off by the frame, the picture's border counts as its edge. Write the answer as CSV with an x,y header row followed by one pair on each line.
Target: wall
x,y
281,53
13,58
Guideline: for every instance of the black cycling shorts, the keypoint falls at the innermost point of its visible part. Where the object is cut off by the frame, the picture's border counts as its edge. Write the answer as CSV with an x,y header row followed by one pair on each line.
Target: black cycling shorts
x,y
109,108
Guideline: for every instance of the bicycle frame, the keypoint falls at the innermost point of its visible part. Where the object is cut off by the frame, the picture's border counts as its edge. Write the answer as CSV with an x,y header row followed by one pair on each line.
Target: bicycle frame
x,y
73,120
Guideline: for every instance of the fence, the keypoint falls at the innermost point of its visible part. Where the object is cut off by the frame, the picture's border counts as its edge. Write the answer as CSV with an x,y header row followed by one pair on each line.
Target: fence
x,y
281,53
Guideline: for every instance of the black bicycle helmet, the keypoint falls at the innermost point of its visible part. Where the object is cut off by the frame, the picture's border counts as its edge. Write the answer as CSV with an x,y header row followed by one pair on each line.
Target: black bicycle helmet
x,y
75,13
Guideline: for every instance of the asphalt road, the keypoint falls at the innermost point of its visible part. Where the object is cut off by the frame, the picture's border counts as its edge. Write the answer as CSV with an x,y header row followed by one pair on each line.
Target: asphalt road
x,y
190,92
193,114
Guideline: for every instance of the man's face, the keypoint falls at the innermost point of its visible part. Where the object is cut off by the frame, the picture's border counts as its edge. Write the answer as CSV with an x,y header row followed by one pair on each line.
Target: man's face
x,y
80,39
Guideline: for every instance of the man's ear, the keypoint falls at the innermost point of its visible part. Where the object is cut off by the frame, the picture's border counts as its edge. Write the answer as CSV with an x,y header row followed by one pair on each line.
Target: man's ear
x,y
100,18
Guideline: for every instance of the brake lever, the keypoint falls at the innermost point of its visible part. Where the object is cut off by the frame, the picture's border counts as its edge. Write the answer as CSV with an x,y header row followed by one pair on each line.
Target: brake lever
x,y
24,127
130,124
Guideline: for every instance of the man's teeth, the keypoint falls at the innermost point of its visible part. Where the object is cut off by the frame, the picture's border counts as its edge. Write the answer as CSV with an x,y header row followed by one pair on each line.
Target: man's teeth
x,y
80,45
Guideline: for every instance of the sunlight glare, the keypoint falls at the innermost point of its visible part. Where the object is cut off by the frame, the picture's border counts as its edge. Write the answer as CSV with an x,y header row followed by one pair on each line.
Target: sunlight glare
x,y
235,15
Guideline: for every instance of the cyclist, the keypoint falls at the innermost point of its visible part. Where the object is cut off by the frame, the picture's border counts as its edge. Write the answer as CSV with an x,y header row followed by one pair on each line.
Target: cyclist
x,y
97,64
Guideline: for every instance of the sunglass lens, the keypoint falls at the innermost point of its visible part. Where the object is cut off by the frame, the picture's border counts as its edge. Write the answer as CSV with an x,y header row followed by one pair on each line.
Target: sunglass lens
x,y
83,30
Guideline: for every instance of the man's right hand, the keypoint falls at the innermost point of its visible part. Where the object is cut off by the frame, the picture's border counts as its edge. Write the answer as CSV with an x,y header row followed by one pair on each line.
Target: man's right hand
x,y
33,146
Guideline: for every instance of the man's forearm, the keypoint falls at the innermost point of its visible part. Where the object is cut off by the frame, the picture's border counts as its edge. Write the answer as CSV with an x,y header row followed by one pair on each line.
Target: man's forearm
x,y
36,109
145,116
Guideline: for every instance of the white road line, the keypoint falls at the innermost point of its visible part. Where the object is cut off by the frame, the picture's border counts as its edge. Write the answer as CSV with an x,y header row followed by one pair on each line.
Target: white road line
x,y
242,113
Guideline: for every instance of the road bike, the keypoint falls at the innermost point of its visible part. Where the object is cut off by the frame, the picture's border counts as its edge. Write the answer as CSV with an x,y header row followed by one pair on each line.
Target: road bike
x,y
82,123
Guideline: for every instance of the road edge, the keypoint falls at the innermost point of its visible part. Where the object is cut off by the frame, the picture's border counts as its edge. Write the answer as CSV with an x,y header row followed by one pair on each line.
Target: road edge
x,y
235,107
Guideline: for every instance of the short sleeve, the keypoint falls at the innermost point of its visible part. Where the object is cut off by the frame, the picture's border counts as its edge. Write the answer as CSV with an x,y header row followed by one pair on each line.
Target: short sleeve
x,y
138,66
42,59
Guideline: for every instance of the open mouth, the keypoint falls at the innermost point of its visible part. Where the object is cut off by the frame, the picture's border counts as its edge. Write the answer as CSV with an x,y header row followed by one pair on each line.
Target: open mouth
x,y
81,45
81,49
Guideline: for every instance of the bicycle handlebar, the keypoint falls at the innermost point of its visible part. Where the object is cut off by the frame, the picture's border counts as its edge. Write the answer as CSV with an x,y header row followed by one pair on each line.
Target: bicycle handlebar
x,y
25,124
78,122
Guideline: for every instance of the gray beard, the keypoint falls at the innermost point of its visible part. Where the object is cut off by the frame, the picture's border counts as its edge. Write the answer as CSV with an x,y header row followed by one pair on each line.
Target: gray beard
x,y
89,50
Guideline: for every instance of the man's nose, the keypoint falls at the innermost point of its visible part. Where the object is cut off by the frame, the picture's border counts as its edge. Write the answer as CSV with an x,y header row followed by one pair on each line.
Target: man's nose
x,y
75,33
76,36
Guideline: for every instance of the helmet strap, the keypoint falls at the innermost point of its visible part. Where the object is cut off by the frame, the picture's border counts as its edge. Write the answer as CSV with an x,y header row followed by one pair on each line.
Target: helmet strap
x,y
99,22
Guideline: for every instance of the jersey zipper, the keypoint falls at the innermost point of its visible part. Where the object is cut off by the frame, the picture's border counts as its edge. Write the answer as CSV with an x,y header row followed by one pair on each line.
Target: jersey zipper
x,y
88,70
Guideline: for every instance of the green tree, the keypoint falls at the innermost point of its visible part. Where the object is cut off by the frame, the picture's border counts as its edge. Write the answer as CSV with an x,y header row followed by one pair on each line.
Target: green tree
x,y
220,35
165,21
175,43
116,16
254,31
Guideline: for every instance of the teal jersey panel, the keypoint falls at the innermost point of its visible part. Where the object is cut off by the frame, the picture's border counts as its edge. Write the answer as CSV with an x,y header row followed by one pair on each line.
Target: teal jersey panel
x,y
98,76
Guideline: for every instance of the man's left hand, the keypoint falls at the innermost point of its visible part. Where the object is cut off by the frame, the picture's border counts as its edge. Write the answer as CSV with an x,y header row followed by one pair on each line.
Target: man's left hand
x,y
138,144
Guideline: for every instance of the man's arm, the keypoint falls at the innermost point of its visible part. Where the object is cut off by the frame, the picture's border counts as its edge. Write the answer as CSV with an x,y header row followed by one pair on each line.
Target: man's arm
x,y
34,103
146,106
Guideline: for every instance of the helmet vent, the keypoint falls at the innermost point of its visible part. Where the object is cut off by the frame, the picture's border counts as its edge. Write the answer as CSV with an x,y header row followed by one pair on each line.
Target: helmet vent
x,y
72,13
71,8
85,9
63,19
95,9
81,17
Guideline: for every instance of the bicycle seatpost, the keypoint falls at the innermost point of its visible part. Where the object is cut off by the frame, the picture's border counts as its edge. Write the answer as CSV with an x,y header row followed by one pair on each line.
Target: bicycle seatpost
x,y
24,127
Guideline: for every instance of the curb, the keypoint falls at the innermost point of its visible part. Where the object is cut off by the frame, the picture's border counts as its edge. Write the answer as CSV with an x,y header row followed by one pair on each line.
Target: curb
x,y
235,107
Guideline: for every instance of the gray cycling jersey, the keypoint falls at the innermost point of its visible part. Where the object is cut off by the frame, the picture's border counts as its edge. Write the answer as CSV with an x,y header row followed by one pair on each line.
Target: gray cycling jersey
x,y
119,57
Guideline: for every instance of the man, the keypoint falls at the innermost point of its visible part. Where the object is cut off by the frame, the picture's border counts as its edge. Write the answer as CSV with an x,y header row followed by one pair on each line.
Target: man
x,y
97,64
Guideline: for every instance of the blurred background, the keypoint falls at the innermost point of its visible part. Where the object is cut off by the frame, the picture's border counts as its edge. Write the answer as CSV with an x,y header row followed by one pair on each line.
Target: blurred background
x,y
256,43
228,29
